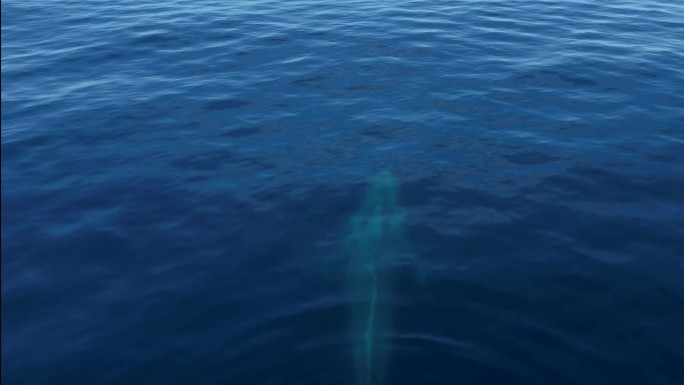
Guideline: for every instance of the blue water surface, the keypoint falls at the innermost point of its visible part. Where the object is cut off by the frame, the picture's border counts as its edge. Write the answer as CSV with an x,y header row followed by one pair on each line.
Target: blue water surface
x,y
178,179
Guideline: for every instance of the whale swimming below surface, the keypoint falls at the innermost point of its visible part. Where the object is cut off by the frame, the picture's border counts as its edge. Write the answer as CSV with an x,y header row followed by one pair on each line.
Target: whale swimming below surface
x,y
376,244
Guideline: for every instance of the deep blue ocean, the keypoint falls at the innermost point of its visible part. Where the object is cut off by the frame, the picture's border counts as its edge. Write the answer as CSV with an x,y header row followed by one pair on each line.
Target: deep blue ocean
x,y
239,192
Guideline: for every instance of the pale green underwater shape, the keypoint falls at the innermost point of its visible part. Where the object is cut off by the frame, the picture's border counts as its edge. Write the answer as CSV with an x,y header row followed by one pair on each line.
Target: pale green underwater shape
x,y
376,244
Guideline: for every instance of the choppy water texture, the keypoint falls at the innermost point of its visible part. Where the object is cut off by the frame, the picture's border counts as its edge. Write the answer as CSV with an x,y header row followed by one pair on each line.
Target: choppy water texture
x,y
178,180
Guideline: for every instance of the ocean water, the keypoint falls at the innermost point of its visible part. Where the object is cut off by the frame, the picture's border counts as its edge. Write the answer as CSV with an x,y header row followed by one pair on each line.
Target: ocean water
x,y
185,186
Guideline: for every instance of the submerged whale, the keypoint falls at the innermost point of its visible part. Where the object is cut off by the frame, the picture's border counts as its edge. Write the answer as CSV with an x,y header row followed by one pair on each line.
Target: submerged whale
x,y
376,244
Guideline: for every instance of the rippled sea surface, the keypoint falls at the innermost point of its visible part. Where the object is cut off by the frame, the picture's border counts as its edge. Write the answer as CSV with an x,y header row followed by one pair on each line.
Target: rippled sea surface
x,y
178,181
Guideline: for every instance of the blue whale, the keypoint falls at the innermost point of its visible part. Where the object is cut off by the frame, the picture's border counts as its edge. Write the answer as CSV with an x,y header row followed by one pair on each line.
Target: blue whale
x,y
376,244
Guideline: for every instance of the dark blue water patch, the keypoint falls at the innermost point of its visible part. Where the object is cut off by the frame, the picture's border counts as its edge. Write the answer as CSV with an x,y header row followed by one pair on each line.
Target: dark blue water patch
x,y
242,132
225,104
121,258
273,40
502,301
15,149
158,40
376,134
549,78
530,158
309,80
204,161
606,186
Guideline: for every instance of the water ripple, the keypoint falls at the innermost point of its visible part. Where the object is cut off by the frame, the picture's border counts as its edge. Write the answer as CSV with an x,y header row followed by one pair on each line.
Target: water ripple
x,y
178,180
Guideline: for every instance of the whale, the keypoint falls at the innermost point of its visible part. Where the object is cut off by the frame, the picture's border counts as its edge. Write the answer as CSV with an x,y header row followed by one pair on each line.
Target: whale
x,y
376,245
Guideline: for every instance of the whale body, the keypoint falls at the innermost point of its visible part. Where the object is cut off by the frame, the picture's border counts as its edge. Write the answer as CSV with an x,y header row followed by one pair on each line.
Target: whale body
x,y
376,243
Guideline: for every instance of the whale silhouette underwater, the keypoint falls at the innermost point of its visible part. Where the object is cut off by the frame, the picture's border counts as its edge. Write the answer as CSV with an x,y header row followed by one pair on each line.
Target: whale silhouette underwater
x,y
376,245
